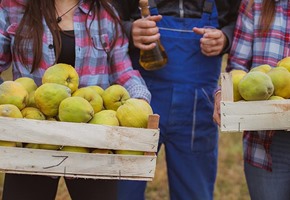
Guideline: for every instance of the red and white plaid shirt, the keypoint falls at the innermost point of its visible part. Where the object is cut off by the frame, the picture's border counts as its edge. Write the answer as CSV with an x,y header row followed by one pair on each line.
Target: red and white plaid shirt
x,y
250,49
91,61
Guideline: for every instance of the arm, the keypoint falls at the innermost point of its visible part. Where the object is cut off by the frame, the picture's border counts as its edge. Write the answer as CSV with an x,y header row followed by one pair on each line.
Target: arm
x,y
5,40
121,71
240,56
228,12
241,51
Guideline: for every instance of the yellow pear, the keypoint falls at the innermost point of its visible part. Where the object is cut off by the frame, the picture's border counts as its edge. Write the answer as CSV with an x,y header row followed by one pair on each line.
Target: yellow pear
x,y
237,75
285,62
115,96
28,83
91,96
14,93
256,85
134,113
32,113
9,110
97,88
280,77
48,97
262,68
63,74
105,117
75,149
75,109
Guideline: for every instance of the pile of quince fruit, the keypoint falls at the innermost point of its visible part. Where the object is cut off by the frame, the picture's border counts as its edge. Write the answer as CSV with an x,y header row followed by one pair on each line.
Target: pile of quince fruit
x,y
59,98
262,82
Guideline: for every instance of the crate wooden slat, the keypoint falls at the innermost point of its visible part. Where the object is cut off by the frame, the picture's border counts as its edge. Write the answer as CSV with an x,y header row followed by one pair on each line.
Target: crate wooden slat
x,y
251,115
80,165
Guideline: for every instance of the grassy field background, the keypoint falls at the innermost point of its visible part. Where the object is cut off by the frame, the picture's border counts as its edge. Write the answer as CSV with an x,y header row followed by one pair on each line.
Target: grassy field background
x,y
230,183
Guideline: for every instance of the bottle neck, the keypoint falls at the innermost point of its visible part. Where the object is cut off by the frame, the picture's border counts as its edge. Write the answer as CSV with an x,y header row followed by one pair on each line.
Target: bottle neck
x,y
145,12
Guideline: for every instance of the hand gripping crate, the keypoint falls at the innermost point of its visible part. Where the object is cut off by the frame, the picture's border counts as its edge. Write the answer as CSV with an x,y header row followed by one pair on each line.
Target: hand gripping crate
x,y
21,160
251,115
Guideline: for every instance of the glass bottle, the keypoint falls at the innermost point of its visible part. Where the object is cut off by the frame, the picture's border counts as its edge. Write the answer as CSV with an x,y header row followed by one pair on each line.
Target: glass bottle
x,y
155,58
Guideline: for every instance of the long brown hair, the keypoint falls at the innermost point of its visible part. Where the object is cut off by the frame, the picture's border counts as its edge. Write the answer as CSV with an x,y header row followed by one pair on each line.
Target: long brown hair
x,y
31,27
267,14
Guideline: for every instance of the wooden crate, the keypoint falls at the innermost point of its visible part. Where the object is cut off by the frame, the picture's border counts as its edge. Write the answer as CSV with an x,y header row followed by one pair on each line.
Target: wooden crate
x,y
251,115
79,165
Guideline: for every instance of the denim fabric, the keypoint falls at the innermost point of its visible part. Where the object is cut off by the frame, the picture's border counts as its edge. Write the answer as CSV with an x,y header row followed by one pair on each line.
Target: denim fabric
x,y
266,185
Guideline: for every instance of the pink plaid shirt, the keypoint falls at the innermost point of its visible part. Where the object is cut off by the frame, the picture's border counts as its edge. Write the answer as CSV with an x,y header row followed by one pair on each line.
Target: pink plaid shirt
x,y
91,61
251,49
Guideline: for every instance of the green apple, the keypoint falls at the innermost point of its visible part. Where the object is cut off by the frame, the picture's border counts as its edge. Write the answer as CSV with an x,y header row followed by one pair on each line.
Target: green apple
x,y
75,149
32,113
129,152
134,113
10,110
92,96
49,146
105,117
63,74
28,83
14,93
115,96
97,88
32,146
8,143
103,151
75,109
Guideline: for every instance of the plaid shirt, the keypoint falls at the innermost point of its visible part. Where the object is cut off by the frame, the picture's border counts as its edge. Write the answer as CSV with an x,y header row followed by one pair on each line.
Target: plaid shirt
x,y
250,48
91,60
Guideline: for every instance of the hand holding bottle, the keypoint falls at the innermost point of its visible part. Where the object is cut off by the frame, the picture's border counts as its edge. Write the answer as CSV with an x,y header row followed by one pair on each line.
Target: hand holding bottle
x,y
213,41
154,56
145,32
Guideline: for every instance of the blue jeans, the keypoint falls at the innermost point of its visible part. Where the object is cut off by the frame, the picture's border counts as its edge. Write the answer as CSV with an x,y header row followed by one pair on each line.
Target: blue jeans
x,y
266,185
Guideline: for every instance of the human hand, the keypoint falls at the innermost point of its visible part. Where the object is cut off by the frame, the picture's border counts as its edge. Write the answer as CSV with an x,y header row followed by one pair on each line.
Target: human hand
x,y
145,32
213,41
217,112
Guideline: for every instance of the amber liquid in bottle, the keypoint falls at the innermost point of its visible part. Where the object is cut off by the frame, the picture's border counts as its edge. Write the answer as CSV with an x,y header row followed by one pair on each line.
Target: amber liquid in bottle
x,y
155,58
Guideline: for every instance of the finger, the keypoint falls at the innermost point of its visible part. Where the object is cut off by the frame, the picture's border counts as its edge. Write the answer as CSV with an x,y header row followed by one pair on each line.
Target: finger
x,y
143,24
209,41
145,39
145,46
155,18
210,53
200,31
212,33
140,32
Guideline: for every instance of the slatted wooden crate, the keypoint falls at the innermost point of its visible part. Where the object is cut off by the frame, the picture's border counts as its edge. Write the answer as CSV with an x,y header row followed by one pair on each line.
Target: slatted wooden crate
x,y
251,115
79,165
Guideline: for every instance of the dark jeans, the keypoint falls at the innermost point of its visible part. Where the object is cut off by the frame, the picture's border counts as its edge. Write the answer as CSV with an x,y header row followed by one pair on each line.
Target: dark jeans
x,y
265,185
34,187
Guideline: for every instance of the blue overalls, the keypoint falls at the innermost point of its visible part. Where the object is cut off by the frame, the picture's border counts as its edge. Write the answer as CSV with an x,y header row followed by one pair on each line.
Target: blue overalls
x,y
182,94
